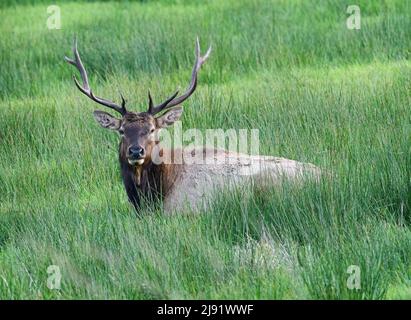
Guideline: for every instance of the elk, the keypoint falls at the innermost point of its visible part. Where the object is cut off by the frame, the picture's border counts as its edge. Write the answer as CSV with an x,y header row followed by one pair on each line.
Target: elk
x,y
186,183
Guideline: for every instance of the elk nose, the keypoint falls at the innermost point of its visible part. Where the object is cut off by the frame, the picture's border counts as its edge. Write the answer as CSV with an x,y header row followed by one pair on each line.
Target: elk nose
x,y
136,152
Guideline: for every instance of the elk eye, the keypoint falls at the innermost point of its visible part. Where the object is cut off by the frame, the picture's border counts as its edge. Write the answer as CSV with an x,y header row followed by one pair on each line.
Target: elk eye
x,y
121,131
152,130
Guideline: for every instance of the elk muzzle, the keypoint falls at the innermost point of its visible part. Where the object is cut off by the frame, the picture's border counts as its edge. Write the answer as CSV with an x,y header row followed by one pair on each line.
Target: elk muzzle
x,y
135,155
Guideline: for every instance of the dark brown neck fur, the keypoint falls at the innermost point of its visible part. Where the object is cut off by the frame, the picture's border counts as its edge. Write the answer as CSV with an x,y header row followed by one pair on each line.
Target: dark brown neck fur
x,y
154,182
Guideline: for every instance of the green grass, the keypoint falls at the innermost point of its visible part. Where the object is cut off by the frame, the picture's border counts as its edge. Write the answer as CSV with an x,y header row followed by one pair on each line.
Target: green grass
x,y
318,92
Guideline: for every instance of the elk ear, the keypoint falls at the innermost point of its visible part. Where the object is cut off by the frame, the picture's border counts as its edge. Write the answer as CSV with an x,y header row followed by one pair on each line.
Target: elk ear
x,y
168,118
106,120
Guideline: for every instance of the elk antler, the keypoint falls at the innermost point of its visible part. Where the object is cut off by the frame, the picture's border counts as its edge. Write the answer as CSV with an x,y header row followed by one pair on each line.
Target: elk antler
x,y
173,101
85,88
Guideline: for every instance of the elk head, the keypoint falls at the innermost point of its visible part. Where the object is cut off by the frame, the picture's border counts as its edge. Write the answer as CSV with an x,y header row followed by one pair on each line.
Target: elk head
x,y
137,129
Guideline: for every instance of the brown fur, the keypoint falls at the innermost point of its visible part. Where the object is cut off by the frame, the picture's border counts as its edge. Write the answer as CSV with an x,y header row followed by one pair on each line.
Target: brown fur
x,y
149,180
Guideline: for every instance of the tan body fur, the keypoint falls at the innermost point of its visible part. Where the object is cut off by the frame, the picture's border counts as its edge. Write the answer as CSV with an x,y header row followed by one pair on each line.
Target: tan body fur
x,y
191,185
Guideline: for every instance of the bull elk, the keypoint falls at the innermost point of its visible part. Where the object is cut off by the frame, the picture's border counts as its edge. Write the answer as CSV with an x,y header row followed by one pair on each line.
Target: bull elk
x,y
177,184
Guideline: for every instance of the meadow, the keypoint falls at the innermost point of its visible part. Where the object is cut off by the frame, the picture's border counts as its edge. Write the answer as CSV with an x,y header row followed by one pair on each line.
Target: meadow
x,y
317,91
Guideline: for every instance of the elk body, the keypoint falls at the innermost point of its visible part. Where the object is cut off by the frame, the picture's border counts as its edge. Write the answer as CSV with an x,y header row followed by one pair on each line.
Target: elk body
x,y
190,181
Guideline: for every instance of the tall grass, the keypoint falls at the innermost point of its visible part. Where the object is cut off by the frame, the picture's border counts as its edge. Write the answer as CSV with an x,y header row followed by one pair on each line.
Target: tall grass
x,y
317,92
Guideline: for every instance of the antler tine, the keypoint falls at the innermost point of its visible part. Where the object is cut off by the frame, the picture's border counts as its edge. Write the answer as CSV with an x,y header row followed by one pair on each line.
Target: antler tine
x,y
173,101
156,109
85,88
150,103
123,102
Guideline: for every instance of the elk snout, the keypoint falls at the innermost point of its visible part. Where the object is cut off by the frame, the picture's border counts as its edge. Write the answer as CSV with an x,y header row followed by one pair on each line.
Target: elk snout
x,y
136,154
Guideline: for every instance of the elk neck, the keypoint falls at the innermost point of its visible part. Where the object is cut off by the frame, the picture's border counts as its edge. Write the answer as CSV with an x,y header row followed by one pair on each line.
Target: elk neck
x,y
151,181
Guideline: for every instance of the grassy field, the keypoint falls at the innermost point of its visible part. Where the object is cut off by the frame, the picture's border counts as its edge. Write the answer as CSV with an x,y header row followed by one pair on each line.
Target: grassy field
x,y
317,91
